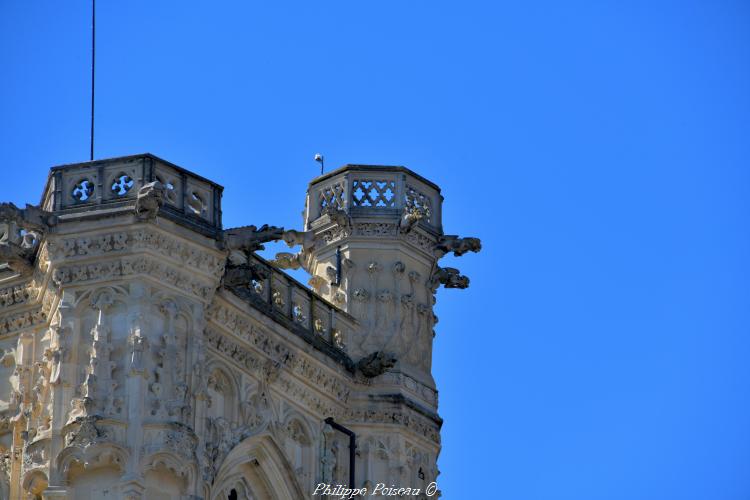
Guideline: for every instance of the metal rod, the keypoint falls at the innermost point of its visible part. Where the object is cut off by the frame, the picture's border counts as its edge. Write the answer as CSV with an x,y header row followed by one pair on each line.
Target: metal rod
x,y
352,446
93,66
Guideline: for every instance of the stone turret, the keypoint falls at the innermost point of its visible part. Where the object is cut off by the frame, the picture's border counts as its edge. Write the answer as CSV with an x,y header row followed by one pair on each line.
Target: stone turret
x,y
372,241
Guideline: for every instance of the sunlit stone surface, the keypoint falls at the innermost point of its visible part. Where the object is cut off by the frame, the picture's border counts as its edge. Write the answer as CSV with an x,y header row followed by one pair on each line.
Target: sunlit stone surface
x,y
148,353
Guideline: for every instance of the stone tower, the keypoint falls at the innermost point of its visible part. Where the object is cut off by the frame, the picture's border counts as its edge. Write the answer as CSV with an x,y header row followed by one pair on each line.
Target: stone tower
x,y
372,241
148,353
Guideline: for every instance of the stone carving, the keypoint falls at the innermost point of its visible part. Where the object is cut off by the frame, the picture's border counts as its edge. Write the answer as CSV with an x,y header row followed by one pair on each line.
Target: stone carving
x,y
339,217
376,363
21,231
133,266
19,294
276,351
31,218
287,260
449,277
250,239
458,246
173,436
184,254
149,200
26,319
293,238
316,282
410,217
338,339
85,433
245,274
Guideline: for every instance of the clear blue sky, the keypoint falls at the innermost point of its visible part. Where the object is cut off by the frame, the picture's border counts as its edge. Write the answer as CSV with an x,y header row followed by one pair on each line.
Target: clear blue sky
x,y
601,150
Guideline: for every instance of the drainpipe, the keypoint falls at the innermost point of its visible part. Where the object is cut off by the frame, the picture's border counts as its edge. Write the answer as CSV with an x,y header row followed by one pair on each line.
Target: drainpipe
x,y
352,446
338,267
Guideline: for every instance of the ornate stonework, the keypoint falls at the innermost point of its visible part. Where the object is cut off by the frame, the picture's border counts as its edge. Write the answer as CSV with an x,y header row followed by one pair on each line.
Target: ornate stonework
x,y
146,352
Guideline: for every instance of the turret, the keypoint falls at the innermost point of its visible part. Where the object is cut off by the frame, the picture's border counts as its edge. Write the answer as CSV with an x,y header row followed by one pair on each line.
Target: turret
x,y
372,241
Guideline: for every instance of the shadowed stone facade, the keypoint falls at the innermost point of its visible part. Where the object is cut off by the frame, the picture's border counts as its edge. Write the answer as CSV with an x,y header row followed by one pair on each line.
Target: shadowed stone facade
x,y
148,353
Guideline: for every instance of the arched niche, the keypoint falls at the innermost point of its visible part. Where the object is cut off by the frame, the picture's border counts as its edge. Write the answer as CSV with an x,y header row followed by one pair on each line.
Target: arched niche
x,y
297,440
92,472
166,476
377,459
223,394
264,469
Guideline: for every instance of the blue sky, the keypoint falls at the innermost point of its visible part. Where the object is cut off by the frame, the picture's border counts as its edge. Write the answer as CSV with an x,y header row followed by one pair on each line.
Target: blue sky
x,y
599,149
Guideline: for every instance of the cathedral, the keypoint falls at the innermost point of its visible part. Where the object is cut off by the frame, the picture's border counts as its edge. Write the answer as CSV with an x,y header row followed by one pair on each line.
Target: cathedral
x,y
148,353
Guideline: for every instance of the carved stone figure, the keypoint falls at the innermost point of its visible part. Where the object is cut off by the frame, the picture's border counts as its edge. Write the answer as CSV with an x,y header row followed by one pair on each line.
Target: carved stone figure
x,y
149,200
458,246
244,274
410,217
339,217
303,238
449,277
31,218
376,363
287,260
250,239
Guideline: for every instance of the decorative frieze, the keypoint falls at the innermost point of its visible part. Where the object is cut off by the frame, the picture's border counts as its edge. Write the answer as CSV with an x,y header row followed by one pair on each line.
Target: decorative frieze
x,y
132,266
145,238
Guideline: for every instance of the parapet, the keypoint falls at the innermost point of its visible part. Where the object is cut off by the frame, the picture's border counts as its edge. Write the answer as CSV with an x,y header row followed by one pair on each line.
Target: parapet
x,y
374,191
102,187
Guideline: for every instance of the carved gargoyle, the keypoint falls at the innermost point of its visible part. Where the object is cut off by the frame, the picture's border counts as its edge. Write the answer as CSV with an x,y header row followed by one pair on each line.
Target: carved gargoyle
x,y
244,274
17,257
458,246
376,363
449,277
150,199
288,260
250,239
21,231
31,218
292,238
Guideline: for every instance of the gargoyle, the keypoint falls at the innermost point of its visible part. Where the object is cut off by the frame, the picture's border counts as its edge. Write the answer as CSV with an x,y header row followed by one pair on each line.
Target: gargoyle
x,y
250,239
244,274
16,256
287,260
449,277
376,363
20,233
150,199
31,218
458,246
304,238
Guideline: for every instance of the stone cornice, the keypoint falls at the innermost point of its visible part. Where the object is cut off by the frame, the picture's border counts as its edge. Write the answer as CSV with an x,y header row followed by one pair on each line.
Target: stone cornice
x,y
145,266
141,239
